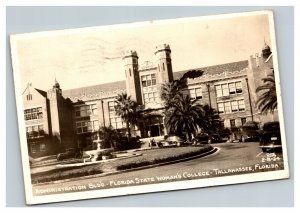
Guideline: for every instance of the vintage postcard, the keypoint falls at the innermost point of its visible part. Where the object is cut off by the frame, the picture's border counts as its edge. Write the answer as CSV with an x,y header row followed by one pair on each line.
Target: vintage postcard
x,y
150,106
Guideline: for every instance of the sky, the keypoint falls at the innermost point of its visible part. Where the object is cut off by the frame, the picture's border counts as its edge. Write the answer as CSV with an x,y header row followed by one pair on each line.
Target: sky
x,y
91,56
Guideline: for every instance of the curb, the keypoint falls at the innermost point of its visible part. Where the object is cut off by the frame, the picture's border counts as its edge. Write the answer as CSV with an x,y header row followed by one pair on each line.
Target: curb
x,y
214,150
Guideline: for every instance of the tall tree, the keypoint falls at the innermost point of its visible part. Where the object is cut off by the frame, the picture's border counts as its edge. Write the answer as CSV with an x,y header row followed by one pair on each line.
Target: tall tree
x,y
127,110
184,115
267,100
212,120
171,90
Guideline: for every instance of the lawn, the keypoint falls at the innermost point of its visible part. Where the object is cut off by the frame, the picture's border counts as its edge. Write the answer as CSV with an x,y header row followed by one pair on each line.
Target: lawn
x,y
148,157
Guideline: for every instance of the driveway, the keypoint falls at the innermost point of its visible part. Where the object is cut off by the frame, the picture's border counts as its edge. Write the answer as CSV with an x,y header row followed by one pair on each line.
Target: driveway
x,y
236,157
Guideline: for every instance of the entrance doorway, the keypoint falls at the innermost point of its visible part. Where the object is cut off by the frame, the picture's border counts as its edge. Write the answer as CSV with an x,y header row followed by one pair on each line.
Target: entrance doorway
x,y
154,131
153,127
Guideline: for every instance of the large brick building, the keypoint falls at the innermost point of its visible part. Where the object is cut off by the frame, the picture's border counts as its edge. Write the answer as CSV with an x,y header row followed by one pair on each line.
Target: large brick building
x,y
59,119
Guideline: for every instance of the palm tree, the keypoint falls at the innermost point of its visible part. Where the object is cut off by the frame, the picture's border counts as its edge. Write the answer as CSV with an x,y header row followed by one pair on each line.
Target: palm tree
x,y
184,115
171,90
127,110
267,101
109,136
212,120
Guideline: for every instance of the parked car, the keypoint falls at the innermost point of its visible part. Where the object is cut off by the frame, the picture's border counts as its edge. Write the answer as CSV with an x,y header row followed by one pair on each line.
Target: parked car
x,y
207,139
271,138
70,153
172,140
246,134
225,137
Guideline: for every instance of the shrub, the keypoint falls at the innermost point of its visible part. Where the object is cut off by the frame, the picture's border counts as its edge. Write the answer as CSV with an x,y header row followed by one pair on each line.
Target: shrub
x,y
61,174
162,159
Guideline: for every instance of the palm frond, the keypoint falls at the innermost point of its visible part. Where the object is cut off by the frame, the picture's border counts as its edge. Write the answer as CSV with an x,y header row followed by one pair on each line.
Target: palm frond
x,y
267,99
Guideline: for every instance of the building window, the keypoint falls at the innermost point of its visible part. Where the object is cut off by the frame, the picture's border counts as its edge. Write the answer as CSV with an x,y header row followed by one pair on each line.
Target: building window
x,y
86,110
227,107
87,126
241,105
148,80
29,97
234,106
33,148
33,113
238,87
149,88
196,93
117,123
219,91
243,121
112,106
163,66
231,106
232,123
129,71
35,131
229,88
221,107
150,97
42,147
225,89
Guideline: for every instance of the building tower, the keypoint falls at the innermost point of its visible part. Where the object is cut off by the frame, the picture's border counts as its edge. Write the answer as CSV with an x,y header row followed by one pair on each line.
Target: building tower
x,y
131,66
55,95
164,71
260,66
266,51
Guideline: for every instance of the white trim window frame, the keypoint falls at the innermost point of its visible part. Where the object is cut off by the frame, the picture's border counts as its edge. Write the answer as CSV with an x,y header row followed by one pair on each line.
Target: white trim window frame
x,y
86,126
232,106
229,88
35,131
86,110
195,93
34,113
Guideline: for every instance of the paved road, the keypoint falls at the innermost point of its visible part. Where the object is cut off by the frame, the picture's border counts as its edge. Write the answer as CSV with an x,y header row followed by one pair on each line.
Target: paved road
x,y
229,156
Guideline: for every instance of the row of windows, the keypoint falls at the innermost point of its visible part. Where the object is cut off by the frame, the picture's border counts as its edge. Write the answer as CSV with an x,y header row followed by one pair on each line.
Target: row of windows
x,y
231,106
35,131
87,126
33,113
86,110
34,147
229,88
148,80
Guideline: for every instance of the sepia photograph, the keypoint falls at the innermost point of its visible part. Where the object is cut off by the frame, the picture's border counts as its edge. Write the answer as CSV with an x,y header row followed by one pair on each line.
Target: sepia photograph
x,y
149,106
